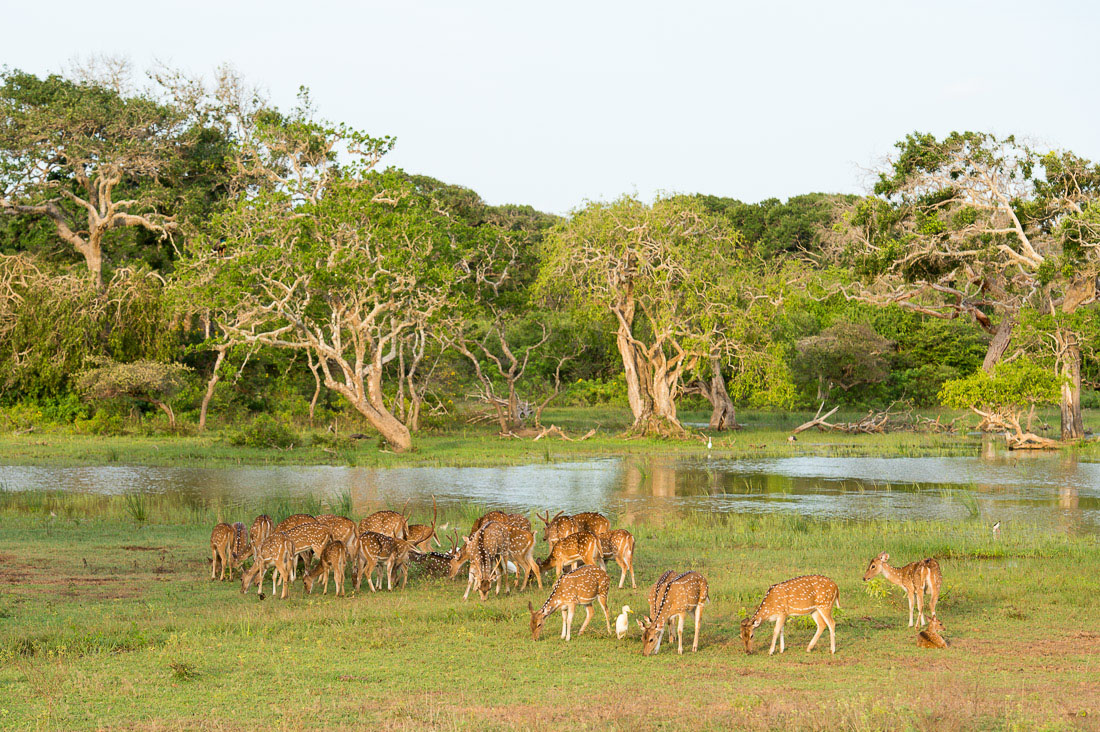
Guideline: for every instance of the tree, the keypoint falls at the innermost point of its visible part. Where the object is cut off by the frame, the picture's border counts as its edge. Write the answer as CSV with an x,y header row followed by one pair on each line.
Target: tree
x,y
88,159
147,381
1000,398
844,355
670,275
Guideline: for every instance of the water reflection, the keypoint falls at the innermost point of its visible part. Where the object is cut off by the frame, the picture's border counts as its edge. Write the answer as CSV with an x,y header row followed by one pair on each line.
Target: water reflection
x,y
1056,491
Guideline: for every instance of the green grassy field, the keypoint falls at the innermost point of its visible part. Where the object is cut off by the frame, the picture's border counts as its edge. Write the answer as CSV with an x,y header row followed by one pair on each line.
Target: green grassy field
x,y
107,624
765,435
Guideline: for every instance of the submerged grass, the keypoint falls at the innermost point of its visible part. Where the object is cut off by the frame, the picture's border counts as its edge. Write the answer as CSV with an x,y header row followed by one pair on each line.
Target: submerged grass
x,y
109,624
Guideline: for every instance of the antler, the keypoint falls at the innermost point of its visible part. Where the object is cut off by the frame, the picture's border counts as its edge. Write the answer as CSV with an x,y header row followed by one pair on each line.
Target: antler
x,y
544,519
405,506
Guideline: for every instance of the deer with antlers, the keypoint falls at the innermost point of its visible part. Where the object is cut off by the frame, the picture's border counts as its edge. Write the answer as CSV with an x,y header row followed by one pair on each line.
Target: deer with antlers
x,y
619,544
275,554
389,523
580,548
914,578
673,597
334,559
437,564
422,535
557,528
583,586
813,595
485,550
381,550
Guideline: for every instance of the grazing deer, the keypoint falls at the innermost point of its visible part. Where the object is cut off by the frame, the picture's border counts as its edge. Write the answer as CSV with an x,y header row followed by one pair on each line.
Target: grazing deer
x,y
276,553
932,636
239,548
380,549
651,599
674,597
593,523
291,521
421,535
620,545
221,550
486,551
389,523
583,586
519,549
581,547
262,527
309,541
333,559
914,578
515,520
812,595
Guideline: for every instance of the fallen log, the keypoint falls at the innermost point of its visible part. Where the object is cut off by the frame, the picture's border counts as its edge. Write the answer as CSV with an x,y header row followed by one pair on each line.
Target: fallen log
x,y
818,420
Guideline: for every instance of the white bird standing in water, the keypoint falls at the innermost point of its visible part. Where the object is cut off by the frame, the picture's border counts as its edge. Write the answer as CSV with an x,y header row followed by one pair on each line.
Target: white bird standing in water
x,y
708,443
622,623
996,529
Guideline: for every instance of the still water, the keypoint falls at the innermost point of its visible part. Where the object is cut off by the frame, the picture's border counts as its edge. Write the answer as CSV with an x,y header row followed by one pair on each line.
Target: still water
x,y
1052,491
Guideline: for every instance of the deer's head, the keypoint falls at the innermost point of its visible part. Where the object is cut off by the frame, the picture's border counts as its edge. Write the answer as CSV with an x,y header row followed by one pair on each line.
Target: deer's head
x,y
537,619
651,637
875,567
747,629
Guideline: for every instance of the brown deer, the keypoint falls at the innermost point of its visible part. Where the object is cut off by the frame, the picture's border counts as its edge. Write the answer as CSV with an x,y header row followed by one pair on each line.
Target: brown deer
x,y
674,597
619,544
262,527
276,553
291,521
914,578
380,549
486,551
519,549
515,520
421,535
436,564
580,547
651,598
333,559
812,595
390,523
221,551
932,636
583,586
557,528
593,523
344,531
309,540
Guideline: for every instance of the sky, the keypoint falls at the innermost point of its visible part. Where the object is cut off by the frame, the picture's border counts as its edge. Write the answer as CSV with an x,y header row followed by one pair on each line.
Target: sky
x,y
555,104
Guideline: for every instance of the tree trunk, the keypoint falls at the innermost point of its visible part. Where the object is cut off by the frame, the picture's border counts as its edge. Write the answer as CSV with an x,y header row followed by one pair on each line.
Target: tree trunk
x,y
997,347
167,410
92,251
391,428
1073,427
723,414
214,376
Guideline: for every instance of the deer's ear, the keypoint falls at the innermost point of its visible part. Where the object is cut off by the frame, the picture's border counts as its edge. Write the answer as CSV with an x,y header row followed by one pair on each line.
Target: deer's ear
x,y
530,607
883,557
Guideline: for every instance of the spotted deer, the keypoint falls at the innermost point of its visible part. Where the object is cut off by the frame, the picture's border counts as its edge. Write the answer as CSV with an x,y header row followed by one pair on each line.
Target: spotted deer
x,y
262,527
239,548
291,521
381,550
275,553
813,595
651,598
932,636
519,549
619,544
310,540
389,523
436,564
674,597
581,547
914,578
221,551
583,586
557,528
343,530
422,535
334,559
487,554
515,520
593,523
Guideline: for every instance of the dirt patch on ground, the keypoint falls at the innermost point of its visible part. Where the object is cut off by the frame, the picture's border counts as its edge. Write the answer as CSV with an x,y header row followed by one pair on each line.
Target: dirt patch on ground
x,y
144,548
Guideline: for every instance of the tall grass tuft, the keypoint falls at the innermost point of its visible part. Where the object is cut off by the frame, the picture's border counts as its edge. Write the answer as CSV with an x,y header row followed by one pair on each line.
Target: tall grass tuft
x,y
137,507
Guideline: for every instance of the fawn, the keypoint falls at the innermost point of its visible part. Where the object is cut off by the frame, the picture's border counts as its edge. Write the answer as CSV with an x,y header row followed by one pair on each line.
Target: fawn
x,y
334,559
620,545
276,552
914,578
812,595
583,586
221,550
580,547
674,597
932,636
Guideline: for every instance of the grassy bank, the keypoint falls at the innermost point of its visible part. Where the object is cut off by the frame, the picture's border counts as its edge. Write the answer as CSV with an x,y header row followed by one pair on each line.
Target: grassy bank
x,y
105,623
765,435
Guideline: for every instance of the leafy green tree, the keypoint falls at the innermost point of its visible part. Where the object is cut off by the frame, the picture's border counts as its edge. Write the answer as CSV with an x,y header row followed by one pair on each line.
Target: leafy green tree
x,y
844,355
148,381
1000,398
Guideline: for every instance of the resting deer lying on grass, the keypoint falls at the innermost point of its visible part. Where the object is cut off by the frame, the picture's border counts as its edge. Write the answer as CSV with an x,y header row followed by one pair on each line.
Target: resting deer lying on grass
x,y
812,595
581,547
620,545
262,527
914,578
436,564
389,523
309,540
333,559
674,597
932,636
422,535
381,550
583,586
276,553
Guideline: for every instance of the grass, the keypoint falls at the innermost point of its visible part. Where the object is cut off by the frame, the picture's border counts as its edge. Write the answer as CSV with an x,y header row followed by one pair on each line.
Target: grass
x,y
106,622
765,436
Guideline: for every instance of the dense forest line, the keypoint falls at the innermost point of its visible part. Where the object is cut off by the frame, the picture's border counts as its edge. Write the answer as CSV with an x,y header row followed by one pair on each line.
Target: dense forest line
x,y
187,248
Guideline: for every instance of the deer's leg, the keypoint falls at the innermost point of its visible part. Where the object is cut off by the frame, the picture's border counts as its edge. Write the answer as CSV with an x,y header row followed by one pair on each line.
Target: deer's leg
x,y
920,605
566,621
775,634
587,619
213,563
622,568
909,593
606,616
933,595
827,615
680,633
535,569
819,621
782,641
698,618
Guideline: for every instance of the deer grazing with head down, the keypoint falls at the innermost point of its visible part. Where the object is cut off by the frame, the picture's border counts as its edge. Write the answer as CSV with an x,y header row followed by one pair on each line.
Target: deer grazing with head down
x,y
334,559
422,535
583,586
389,523
914,578
262,527
310,539
673,597
274,553
619,544
812,595
580,547
485,550
515,520
381,550
291,521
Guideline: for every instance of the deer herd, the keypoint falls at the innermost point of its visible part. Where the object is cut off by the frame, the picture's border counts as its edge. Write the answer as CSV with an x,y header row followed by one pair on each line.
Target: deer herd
x,y
500,544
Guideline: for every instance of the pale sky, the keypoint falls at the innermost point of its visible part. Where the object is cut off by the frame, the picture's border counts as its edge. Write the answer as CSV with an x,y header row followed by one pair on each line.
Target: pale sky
x,y
553,104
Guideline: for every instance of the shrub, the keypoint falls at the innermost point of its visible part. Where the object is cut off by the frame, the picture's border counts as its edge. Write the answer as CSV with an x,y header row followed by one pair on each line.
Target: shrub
x,y
265,431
